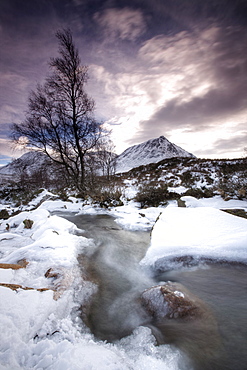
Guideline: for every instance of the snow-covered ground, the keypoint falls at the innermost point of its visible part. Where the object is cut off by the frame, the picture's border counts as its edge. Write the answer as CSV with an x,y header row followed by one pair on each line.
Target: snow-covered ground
x,y
43,329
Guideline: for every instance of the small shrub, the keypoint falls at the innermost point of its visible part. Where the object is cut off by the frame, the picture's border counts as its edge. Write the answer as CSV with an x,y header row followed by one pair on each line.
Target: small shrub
x,y
187,178
108,198
4,214
199,193
152,195
28,223
63,196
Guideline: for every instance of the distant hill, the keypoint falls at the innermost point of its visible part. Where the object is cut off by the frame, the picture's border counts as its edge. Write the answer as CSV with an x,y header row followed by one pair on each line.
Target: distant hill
x,y
151,151
27,165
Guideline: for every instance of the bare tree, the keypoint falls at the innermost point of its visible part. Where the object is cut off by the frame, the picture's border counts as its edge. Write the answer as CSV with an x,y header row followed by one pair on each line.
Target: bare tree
x,y
60,120
107,158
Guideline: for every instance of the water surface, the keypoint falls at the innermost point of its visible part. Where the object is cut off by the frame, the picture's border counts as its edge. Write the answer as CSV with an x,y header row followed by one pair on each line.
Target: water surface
x,y
218,341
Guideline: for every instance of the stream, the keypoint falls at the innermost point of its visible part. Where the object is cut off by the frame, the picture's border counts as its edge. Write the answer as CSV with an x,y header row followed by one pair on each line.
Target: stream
x,y
217,343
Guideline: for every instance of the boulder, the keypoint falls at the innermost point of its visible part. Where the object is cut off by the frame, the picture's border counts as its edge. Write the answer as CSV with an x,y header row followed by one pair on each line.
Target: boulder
x,y
180,318
171,301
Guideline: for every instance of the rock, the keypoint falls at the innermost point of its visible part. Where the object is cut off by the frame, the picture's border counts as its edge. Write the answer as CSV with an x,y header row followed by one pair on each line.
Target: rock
x,y
181,203
51,273
23,263
182,319
170,301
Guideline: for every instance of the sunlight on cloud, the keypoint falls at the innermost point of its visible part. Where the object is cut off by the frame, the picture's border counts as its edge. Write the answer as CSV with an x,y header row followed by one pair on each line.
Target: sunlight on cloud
x,y
127,24
225,135
183,61
179,82
7,149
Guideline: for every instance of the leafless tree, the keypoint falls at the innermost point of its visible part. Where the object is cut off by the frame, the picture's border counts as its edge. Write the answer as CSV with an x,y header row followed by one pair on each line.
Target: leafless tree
x,y
60,120
107,158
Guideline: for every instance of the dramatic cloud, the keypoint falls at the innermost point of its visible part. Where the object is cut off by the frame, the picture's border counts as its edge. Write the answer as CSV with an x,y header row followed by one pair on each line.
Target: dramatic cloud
x,y
126,24
202,80
174,68
190,81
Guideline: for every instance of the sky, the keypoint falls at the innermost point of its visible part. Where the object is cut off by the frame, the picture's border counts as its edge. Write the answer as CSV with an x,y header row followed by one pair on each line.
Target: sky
x,y
176,68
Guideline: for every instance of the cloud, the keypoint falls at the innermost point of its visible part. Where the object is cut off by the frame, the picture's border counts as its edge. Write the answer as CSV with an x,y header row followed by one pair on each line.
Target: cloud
x,y
232,146
7,150
191,82
201,79
236,143
157,67
125,24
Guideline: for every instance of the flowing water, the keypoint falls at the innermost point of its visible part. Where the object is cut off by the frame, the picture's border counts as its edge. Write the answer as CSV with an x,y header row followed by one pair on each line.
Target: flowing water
x,y
217,342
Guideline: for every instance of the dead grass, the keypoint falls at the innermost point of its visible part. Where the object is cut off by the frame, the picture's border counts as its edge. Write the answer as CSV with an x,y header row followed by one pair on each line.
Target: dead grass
x,y
17,286
13,266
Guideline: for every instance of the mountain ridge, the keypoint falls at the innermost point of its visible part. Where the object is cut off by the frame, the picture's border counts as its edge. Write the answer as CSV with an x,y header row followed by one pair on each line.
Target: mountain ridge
x,y
150,151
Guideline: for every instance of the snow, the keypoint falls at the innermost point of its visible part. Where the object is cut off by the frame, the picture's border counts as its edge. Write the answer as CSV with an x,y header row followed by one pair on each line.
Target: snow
x,y
178,189
43,329
130,217
214,202
200,232
40,332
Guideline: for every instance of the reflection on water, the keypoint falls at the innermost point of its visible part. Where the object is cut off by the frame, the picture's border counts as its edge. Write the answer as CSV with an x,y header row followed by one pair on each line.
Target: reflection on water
x,y
217,341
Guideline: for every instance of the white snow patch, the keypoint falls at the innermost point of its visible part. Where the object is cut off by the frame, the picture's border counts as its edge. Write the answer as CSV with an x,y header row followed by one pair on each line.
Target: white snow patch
x,y
200,231
132,218
214,202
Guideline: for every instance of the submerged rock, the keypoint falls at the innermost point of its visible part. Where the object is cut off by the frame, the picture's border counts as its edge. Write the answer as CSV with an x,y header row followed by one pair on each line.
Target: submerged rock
x,y
170,301
180,318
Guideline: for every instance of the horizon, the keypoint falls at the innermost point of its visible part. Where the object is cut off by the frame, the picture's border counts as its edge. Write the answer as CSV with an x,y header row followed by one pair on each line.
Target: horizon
x,y
9,161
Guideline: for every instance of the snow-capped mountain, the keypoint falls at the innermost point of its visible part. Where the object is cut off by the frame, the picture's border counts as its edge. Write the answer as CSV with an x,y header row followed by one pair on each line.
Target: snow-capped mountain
x,y
151,151
27,164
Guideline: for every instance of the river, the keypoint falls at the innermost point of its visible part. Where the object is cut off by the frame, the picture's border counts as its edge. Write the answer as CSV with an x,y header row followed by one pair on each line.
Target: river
x,y
220,343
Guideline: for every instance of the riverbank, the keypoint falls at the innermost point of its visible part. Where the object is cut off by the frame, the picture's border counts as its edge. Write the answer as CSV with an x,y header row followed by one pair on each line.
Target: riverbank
x,y
43,329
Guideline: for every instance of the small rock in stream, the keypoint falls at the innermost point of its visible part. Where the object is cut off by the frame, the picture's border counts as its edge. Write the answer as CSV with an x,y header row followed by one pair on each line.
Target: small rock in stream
x,y
170,301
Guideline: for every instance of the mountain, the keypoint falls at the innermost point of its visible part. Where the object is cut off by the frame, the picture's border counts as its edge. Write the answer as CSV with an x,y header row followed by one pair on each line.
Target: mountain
x,y
27,165
151,151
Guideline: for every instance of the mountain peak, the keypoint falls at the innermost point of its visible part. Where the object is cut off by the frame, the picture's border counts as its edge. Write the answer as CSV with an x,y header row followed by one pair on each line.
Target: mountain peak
x,y
151,151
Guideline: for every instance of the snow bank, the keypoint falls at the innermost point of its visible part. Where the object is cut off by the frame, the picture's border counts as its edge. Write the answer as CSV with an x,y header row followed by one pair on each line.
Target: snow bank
x,y
214,202
50,239
198,232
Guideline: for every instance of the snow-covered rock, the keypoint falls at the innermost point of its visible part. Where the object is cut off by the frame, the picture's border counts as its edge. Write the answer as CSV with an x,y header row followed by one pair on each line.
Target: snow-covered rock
x,y
151,151
185,235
